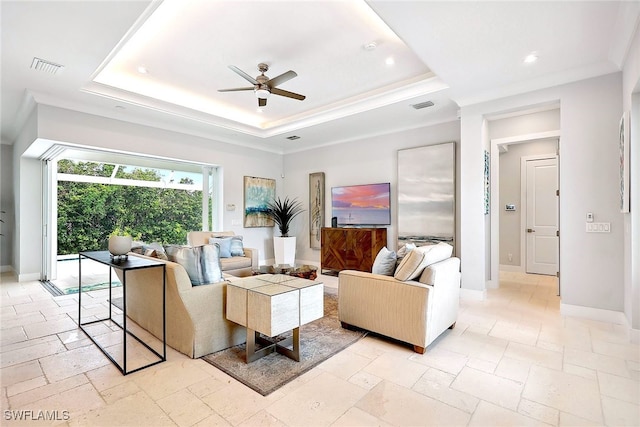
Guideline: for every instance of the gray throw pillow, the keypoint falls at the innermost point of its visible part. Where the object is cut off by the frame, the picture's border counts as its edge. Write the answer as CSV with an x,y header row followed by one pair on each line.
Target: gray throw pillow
x,y
202,263
236,246
385,262
225,245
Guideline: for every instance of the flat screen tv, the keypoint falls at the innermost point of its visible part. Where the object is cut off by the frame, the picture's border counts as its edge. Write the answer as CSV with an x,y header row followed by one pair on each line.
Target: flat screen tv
x,y
361,205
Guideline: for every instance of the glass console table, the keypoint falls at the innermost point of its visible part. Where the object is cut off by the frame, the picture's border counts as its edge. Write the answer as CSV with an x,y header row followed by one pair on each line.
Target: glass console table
x,y
126,265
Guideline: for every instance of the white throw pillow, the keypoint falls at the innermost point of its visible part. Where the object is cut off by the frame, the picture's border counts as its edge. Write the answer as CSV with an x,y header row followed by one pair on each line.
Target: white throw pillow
x,y
202,263
416,260
385,262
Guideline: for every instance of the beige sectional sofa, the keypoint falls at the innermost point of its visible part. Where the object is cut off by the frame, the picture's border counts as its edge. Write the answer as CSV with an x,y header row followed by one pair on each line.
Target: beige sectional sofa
x,y
414,311
236,266
196,321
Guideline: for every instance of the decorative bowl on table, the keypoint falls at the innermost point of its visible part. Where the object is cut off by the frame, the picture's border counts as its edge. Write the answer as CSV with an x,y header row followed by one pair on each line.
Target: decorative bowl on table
x,y
119,247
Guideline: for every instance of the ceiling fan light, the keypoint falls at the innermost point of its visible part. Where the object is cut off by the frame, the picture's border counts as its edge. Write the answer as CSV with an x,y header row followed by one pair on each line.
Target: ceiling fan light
x,y
262,93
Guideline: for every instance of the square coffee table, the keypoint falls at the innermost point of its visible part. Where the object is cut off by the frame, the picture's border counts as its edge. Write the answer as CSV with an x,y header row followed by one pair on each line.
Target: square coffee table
x,y
270,304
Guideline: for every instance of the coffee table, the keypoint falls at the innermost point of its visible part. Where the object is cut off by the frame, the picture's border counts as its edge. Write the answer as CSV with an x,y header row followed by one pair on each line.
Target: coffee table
x,y
271,304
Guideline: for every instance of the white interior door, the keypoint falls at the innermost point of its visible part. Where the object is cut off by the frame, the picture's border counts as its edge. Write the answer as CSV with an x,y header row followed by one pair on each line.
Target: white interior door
x,y
542,216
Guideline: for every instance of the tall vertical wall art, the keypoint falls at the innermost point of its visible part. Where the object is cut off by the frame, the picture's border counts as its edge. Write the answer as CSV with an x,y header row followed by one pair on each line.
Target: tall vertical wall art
x,y
487,182
316,208
426,195
257,193
624,143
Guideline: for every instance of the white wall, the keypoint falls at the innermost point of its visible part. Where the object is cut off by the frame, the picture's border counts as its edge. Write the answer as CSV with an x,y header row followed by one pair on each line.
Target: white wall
x,y
370,160
631,102
591,264
50,124
6,205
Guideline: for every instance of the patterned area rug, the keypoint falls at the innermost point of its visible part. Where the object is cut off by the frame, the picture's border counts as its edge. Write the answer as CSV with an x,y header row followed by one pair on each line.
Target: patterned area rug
x,y
319,340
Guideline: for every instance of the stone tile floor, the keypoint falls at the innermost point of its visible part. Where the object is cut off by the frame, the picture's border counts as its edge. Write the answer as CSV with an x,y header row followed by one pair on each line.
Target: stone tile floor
x,y
511,360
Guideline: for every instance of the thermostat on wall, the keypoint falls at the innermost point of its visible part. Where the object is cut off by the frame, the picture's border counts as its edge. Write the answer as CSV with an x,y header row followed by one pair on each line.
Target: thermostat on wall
x,y
510,207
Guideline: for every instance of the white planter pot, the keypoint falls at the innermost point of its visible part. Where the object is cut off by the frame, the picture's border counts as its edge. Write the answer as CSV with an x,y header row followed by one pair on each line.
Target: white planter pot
x,y
120,245
285,250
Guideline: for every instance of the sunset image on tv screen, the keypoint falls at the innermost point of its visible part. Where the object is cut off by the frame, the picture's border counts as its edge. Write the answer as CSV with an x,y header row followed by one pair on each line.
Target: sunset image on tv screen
x,y
361,204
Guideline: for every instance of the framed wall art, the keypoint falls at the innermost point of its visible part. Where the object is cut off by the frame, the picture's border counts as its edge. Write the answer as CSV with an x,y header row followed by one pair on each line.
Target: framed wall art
x,y
257,193
316,208
487,182
623,146
426,195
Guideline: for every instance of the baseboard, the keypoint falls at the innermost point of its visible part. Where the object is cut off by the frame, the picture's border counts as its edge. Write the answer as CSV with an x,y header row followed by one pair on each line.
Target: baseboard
x,y
30,277
597,314
472,294
6,269
512,268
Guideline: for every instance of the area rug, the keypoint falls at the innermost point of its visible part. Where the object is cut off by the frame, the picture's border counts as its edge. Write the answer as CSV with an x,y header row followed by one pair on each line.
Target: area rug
x,y
319,340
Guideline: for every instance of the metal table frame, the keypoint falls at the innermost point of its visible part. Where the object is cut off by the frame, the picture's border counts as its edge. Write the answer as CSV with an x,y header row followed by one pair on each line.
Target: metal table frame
x,y
131,263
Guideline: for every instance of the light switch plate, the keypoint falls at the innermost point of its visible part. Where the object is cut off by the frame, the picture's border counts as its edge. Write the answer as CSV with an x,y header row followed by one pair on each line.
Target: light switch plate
x,y
598,227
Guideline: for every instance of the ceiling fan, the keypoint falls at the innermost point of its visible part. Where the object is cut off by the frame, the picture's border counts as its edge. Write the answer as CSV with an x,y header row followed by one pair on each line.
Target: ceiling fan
x,y
263,86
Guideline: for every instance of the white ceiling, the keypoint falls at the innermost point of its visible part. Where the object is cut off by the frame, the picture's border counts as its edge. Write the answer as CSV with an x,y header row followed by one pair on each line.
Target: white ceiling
x,y
475,49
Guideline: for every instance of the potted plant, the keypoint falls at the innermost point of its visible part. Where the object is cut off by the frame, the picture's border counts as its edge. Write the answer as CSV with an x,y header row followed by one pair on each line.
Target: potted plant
x,y
119,244
282,212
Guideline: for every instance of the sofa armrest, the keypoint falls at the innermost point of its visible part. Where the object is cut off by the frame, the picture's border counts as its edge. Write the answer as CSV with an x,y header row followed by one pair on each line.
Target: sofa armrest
x,y
253,254
384,305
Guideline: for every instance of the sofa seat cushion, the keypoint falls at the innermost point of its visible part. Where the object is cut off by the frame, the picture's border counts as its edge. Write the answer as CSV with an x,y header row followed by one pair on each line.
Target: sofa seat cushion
x,y
235,262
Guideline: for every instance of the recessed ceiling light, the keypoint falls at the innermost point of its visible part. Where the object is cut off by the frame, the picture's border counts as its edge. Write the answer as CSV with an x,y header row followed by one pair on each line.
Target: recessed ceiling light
x,y
531,58
390,61
119,107
370,46
293,137
142,70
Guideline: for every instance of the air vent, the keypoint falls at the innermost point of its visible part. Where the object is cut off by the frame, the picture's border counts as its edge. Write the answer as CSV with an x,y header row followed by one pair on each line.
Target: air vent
x,y
423,105
46,66
293,137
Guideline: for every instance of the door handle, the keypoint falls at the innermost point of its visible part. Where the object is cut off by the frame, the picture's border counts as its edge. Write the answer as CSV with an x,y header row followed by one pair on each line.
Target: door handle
x,y
530,230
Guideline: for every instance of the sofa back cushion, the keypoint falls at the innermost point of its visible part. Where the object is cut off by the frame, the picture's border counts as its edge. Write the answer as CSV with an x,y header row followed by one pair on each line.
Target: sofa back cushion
x,y
202,263
197,238
416,260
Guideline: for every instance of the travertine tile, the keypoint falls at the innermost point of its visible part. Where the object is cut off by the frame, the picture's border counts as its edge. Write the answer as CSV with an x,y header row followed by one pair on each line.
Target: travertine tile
x,y
236,403
436,384
345,364
40,393
263,419
441,359
37,330
565,392
620,388
501,391
513,369
120,391
167,378
620,413
19,373
184,408
355,417
534,355
489,414
63,365
134,410
76,401
539,412
27,385
321,401
399,406
365,380
397,369
595,361
31,352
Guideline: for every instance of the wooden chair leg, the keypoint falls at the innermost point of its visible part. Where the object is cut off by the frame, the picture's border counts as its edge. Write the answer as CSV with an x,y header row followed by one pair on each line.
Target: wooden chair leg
x,y
346,325
452,326
419,349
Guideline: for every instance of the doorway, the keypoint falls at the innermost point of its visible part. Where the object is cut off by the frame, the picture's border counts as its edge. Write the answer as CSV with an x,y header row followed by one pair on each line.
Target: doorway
x,y
540,214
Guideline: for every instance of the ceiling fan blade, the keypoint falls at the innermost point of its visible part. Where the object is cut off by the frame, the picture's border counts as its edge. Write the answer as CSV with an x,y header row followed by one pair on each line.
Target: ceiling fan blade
x,y
235,89
281,78
262,102
288,94
243,74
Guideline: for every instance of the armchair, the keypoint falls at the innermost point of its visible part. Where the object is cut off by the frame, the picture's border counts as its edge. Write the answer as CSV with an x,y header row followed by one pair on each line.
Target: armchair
x,y
413,311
